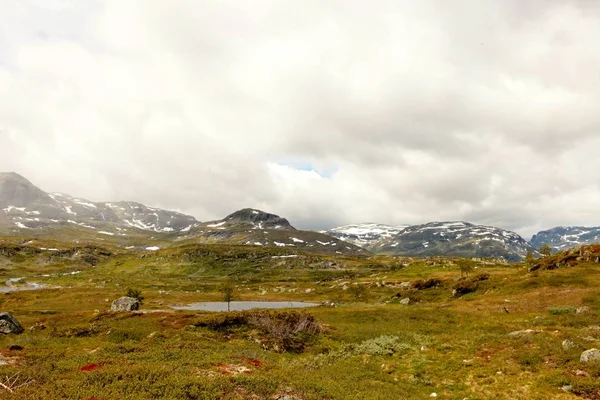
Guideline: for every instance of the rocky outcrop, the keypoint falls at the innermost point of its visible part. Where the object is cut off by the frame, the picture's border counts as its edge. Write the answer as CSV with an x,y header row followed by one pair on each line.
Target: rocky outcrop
x,y
9,324
125,304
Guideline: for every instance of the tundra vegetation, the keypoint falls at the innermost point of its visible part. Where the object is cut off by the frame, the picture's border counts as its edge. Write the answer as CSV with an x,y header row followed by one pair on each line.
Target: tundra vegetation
x,y
498,332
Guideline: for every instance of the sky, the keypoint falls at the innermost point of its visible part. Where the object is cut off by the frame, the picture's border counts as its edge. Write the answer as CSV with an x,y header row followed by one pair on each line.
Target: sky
x,y
326,112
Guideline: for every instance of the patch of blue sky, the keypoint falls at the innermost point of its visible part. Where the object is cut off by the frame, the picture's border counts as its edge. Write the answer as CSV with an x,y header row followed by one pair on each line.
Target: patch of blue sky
x,y
303,166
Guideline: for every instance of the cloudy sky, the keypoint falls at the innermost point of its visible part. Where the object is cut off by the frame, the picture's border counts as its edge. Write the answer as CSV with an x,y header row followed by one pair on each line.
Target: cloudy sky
x,y
324,111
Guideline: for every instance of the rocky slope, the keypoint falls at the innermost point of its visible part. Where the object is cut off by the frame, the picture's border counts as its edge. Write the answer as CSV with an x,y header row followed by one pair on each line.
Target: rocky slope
x,y
25,207
454,239
258,228
366,234
566,237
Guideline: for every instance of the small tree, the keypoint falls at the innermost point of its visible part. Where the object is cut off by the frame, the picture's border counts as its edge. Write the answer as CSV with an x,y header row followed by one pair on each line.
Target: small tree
x,y
465,268
358,291
228,291
136,294
529,259
545,250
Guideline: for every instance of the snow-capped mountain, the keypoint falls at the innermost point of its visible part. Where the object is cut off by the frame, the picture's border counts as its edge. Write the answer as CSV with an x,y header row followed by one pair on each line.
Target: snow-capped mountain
x,y
455,238
565,237
23,206
258,228
365,234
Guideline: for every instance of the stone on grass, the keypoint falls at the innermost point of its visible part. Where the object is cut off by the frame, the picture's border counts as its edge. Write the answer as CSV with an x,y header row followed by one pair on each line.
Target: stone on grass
x,y
125,304
405,301
568,344
9,324
525,332
590,355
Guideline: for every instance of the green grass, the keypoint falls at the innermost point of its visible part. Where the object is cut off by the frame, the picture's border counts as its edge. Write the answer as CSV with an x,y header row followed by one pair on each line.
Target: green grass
x,y
370,347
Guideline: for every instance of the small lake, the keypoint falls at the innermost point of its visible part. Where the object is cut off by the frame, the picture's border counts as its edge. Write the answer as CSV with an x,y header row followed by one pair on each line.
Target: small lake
x,y
28,286
243,305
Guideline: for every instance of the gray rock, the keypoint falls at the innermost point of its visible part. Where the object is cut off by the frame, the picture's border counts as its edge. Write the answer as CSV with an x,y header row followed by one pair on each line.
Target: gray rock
x,y
405,285
567,388
125,304
582,310
568,344
590,355
405,301
9,324
525,332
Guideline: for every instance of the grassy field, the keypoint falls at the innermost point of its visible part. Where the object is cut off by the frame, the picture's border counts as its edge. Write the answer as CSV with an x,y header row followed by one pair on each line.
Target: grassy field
x,y
451,340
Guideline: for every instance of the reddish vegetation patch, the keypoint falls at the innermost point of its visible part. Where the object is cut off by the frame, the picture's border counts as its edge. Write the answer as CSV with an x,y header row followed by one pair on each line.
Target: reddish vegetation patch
x,y
89,367
231,369
252,362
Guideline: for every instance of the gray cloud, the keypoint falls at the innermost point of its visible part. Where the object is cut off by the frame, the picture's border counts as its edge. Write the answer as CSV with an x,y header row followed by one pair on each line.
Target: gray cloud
x,y
405,111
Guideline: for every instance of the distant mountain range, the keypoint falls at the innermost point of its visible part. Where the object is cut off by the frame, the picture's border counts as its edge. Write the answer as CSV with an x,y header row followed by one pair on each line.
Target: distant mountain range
x,y
27,207
455,238
28,210
566,237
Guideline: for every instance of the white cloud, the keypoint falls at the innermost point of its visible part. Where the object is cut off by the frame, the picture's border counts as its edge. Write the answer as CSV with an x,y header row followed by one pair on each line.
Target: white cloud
x,y
417,111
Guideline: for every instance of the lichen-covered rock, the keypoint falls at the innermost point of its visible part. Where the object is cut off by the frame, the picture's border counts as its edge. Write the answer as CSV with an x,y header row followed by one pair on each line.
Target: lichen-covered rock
x,y
568,344
9,324
525,332
125,304
590,355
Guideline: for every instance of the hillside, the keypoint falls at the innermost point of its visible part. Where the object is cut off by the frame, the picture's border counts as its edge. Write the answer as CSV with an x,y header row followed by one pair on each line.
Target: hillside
x,y
365,235
258,228
566,237
25,207
452,239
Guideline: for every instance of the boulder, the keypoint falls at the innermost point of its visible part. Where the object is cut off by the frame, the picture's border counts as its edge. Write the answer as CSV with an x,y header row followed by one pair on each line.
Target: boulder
x,y
9,324
125,304
405,301
590,355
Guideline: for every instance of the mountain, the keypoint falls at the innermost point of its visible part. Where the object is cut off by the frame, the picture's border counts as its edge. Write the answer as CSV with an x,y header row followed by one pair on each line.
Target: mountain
x,y
454,239
25,207
566,237
366,234
258,228
27,210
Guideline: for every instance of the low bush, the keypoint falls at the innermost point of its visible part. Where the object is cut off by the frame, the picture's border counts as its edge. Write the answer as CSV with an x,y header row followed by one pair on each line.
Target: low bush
x,y
464,287
426,283
562,310
136,294
285,331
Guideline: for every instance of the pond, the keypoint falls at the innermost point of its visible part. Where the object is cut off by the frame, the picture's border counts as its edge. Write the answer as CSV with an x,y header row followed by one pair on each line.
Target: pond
x,y
27,286
243,305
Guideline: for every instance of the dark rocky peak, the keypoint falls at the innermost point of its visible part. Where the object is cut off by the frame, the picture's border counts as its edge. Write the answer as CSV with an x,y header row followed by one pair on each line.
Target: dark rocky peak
x,y
258,219
17,191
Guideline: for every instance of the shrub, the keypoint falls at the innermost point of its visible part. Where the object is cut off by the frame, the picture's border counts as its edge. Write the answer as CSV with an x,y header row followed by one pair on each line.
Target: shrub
x,y
136,294
358,291
484,276
464,287
562,310
286,331
426,284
